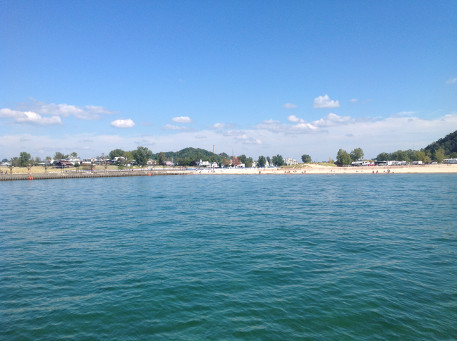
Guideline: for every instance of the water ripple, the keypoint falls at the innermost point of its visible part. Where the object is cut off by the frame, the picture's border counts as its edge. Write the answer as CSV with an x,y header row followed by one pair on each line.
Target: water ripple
x,y
255,257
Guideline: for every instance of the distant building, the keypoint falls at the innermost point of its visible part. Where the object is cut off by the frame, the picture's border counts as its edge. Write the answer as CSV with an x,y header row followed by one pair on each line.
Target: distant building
x,y
361,163
290,162
204,163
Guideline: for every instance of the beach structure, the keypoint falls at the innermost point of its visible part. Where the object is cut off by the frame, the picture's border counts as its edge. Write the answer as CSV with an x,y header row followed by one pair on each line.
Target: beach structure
x,y
290,162
361,163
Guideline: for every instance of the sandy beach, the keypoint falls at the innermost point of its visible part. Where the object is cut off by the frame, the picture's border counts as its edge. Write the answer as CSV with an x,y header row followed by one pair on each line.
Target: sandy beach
x,y
301,169
321,169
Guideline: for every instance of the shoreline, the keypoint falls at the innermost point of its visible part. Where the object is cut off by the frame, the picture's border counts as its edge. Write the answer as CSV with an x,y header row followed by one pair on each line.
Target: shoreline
x,y
291,170
329,170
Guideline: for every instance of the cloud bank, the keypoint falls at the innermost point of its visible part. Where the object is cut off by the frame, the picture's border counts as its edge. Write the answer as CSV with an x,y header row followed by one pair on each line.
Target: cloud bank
x,y
292,136
28,117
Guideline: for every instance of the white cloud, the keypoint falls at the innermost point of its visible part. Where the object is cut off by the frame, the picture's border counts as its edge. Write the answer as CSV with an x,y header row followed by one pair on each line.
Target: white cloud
x,y
293,118
128,123
353,100
452,80
289,106
325,102
29,117
181,119
88,112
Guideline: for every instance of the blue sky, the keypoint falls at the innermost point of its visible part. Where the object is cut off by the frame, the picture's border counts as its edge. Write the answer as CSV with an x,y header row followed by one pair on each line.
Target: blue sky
x,y
254,78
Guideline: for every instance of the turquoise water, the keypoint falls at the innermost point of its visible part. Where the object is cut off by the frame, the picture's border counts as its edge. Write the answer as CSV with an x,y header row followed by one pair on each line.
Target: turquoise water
x,y
275,257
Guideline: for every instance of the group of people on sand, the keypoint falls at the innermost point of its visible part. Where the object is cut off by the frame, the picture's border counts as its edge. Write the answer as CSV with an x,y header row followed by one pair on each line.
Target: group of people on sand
x,y
1,172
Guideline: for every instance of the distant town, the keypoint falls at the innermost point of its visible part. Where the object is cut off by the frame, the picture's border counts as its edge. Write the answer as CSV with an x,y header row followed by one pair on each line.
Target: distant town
x,y
442,151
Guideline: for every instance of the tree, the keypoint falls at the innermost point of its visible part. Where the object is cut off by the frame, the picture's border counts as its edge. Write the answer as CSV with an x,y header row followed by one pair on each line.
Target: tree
x,y
249,162
226,162
14,161
116,153
60,156
306,158
383,157
277,160
261,161
142,155
74,155
24,159
356,154
268,160
343,158
162,159
242,159
439,155
400,155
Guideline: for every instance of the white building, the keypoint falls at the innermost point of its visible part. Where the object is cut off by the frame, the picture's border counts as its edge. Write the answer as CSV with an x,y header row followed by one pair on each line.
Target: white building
x,y
290,162
204,163
361,163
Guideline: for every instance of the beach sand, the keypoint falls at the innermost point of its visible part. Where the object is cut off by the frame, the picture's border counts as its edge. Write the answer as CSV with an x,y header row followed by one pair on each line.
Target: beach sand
x,y
301,169
321,169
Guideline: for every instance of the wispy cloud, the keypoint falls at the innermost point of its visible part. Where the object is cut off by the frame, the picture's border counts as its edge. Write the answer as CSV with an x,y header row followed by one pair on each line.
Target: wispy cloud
x,y
289,106
332,120
174,127
452,80
353,100
182,119
87,112
325,102
219,125
29,117
128,123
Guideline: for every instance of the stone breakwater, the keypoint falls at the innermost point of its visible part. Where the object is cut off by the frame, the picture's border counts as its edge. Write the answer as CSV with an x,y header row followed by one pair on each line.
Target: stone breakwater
x,y
99,174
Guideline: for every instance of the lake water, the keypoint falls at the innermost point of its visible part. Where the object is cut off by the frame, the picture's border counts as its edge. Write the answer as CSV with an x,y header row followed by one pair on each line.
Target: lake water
x,y
261,257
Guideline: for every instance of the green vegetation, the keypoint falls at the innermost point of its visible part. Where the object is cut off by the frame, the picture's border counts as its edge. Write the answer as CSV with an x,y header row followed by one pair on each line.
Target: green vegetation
x,y
356,154
142,155
261,161
343,158
436,151
277,160
24,159
448,144
306,158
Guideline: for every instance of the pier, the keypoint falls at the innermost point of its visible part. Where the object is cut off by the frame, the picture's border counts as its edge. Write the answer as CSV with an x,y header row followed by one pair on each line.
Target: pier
x,y
94,174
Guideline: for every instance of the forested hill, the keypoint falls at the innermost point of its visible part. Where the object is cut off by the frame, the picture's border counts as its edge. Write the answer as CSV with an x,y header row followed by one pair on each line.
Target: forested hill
x,y
447,143
189,155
